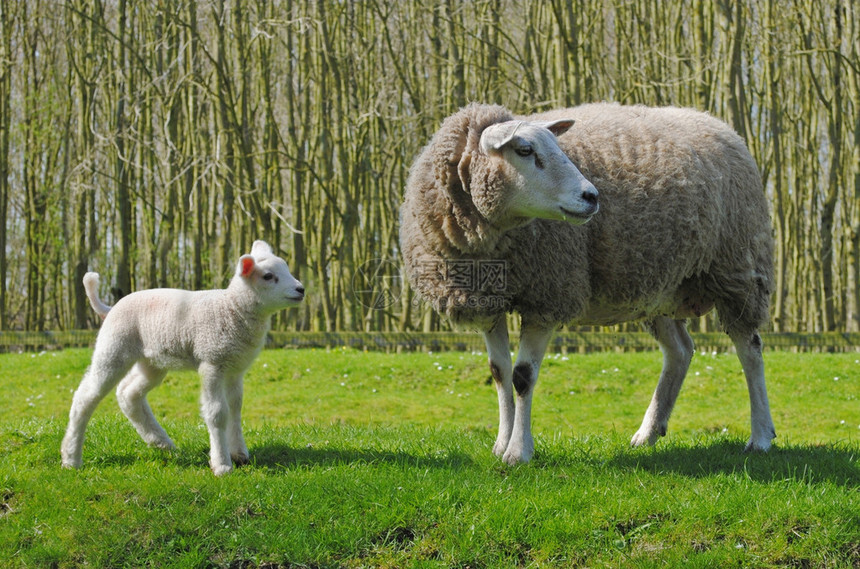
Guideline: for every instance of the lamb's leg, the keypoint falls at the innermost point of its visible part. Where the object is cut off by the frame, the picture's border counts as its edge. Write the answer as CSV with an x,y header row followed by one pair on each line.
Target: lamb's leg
x,y
533,343
103,374
238,449
216,414
677,348
499,355
748,346
131,395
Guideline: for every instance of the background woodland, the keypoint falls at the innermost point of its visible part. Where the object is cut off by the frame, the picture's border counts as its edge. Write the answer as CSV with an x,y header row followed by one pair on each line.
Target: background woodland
x,y
154,140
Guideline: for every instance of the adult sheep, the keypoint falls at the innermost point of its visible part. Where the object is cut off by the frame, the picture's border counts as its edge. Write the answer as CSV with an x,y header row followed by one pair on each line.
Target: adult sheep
x,y
596,215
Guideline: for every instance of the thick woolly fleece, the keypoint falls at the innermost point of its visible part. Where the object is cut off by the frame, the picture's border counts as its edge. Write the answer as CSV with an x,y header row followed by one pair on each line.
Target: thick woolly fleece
x,y
683,224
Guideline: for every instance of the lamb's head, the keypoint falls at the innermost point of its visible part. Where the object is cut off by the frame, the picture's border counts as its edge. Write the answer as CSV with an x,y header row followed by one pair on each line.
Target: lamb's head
x,y
527,175
268,279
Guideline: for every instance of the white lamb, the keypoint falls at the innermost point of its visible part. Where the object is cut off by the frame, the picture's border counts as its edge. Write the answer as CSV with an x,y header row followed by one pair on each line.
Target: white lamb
x,y
217,332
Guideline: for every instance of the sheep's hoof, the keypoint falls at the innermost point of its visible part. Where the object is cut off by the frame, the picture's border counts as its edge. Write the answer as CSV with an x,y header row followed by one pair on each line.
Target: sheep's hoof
x,y
512,459
499,448
71,465
163,444
241,459
760,439
761,446
521,456
222,469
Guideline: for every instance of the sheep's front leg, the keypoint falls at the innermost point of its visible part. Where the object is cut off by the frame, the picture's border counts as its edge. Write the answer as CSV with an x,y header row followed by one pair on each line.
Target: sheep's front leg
x,y
749,347
216,413
533,343
499,355
677,348
238,450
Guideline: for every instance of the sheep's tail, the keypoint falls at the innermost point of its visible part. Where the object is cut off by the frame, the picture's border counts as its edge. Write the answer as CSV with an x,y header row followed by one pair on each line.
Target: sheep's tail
x,y
91,285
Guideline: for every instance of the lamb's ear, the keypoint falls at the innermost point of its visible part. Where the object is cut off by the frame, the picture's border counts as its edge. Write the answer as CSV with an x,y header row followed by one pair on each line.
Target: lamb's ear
x,y
246,266
497,135
261,248
558,127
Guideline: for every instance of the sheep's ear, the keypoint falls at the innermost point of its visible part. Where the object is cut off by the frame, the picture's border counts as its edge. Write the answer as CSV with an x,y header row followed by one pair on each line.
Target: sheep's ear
x,y
558,127
246,265
261,248
496,136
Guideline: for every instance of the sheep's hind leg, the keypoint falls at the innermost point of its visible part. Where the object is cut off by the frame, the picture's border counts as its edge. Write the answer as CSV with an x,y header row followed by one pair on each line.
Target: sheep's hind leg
x,y
533,343
499,355
677,348
131,395
749,346
100,378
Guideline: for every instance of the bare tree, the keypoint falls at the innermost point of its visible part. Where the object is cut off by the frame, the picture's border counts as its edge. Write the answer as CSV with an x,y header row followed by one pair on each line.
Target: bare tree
x,y
154,140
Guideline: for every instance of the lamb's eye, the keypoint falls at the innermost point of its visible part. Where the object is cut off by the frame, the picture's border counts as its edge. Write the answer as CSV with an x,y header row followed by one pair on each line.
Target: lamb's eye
x,y
269,276
524,150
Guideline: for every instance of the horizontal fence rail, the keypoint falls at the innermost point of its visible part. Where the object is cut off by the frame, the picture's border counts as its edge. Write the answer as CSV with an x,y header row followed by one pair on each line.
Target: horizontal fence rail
x,y
583,342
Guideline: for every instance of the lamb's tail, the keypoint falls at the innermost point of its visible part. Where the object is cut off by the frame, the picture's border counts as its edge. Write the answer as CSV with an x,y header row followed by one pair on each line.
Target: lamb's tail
x,y
91,285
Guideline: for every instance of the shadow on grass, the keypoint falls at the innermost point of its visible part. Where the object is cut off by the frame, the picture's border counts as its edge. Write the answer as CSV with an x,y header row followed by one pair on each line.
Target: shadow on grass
x,y
277,456
114,446
835,463
283,457
811,464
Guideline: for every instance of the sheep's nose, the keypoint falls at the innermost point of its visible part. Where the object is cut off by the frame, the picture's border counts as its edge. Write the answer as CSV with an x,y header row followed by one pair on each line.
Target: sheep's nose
x,y
590,196
300,289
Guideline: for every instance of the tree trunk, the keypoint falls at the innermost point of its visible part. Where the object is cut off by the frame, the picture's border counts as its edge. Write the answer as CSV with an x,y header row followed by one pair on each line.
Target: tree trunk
x,y
6,69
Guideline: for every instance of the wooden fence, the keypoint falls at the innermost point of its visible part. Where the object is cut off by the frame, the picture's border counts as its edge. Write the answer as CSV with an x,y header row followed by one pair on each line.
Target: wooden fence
x,y
581,342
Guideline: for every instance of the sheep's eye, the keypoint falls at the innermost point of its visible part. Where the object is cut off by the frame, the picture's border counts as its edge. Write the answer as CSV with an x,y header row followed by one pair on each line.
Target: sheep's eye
x,y
524,150
269,276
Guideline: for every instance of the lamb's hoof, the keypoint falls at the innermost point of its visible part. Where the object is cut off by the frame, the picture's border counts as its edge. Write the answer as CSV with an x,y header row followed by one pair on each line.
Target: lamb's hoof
x,y
641,440
647,437
163,445
71,465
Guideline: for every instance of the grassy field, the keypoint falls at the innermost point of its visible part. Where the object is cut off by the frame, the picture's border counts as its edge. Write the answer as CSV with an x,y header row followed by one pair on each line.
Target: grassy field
x,y
382,460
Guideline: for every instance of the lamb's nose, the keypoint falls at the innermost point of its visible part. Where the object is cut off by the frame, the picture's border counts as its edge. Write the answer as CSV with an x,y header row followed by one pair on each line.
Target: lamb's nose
x,y
300,289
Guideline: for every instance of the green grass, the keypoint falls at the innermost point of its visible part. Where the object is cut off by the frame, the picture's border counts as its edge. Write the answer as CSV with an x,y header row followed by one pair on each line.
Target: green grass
x,y
382,460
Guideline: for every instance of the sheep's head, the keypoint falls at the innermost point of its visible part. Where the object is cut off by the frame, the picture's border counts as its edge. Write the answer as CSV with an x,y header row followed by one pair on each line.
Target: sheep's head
x,y
529,176
269,277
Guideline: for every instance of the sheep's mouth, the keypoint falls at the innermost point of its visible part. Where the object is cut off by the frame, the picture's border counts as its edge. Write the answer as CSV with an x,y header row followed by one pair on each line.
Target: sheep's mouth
x,y
298,298
576,217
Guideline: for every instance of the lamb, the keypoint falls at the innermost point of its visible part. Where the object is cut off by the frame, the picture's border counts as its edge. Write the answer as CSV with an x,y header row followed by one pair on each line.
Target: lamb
x,y
217,332
597,215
